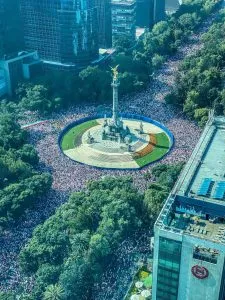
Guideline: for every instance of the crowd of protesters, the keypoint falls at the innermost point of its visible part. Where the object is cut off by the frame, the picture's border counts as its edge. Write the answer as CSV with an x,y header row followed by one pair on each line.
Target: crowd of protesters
x,y
69,176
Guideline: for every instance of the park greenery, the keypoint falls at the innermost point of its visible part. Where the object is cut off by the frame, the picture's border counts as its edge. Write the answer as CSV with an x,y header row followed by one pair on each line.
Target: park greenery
x,y
54,89
200,80
75,245
160,148
73,136
152,152
20,183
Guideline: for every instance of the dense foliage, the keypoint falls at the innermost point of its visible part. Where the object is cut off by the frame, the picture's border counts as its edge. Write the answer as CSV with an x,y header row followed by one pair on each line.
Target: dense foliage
x,y
200,80
20,183
73,247
164,177
55,89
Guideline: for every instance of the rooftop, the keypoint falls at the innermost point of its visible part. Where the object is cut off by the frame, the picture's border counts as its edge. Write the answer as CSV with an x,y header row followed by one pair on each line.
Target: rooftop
x,y
123,2
21,54
196,206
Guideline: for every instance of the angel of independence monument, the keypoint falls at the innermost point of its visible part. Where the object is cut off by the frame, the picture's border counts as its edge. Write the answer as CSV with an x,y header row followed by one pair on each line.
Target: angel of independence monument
x,y
113,142
114,129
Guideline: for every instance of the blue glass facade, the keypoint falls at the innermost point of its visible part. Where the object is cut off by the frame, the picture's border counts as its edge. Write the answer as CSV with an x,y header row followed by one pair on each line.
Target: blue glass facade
x,y
11,35
168,269
61,31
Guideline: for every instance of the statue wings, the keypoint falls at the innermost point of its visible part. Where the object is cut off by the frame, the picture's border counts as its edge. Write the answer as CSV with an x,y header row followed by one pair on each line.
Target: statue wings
x,y
115,72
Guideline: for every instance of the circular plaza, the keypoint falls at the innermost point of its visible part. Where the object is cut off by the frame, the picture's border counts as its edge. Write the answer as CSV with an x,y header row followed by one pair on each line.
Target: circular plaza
x,y
136,142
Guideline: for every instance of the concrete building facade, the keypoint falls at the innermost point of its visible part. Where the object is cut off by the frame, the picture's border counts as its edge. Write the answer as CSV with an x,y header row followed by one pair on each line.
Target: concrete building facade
x,y
189,234
15,68
123,19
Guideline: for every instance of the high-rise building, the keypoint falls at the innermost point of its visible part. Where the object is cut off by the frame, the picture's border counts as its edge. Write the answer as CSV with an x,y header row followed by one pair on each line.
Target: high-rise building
x,y
64,32
104,23
189,239
145,13
11,35
123,19
159,10
1,28
172,6
15,64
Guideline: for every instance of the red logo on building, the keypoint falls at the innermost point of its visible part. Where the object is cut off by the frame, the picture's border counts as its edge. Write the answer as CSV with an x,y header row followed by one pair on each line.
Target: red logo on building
x,y
199,272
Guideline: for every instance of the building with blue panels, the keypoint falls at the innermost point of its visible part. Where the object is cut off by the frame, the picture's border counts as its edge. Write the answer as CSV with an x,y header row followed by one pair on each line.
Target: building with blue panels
x,y
189,234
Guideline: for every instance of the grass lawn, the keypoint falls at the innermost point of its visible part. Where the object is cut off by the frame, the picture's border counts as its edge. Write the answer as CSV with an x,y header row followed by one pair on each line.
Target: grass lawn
x,y
148,281
72,136
161,148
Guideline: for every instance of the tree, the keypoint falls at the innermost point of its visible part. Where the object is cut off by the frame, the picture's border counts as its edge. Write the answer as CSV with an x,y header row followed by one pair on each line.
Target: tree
x,y
157,61
28,154
15,198
127,82
95,84
77,280
123,43
201,115
154,198
37,99
190,103
53,292
7,296
11,135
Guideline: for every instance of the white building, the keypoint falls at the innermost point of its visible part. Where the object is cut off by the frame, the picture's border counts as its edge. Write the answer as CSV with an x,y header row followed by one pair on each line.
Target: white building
x,y
189,242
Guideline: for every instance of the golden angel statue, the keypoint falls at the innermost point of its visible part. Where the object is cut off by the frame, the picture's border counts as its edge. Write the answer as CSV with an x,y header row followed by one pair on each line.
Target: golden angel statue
x,y
115,72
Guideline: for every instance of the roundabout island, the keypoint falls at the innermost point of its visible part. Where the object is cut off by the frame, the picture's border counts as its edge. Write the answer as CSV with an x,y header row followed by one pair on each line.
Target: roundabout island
x,y
116,141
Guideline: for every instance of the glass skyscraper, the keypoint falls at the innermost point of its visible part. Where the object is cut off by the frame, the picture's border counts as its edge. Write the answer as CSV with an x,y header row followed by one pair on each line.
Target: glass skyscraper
x,y
159,10
104,17
11,35
64,32
145,13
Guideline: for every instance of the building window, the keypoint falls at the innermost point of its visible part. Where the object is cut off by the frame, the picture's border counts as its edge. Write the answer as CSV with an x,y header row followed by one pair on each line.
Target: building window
x,y
168,269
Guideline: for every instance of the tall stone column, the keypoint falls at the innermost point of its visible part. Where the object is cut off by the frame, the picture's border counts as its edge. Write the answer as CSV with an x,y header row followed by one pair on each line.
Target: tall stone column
x,y
115,85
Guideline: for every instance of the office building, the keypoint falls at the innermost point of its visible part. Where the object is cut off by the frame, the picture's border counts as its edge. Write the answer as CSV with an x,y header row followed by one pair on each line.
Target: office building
x,y
11,35
123,19
159,10
189,241
64,33
145,13
15,68
104,21
1,28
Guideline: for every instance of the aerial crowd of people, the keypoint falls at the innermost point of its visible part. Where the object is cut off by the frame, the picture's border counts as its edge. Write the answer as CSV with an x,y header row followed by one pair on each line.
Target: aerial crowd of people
x,y
69,176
